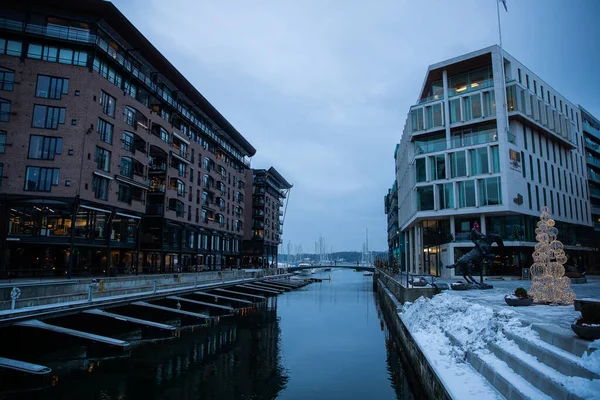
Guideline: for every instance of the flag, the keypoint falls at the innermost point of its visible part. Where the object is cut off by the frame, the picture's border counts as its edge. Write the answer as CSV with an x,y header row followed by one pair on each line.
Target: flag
x,y
504,4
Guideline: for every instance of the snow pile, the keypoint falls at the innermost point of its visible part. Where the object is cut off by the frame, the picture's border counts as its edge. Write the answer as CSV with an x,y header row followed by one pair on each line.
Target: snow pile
x,y
472,327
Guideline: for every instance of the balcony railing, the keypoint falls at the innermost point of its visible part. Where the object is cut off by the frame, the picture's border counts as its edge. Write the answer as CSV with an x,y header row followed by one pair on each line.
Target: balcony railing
x,y
591,145
595,192
429,99
593,176
591,130
593,161
471,87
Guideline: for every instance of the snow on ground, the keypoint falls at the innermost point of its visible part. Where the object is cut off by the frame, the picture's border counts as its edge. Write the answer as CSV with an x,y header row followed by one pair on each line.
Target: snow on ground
x,y
478,317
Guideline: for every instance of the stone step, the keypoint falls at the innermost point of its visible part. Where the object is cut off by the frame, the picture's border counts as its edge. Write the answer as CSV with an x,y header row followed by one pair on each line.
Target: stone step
x,y
562,361
507,382
544,378
562,338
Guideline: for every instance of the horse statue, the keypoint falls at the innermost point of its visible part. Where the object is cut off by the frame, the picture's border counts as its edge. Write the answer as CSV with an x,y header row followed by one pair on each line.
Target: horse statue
x,y
477,255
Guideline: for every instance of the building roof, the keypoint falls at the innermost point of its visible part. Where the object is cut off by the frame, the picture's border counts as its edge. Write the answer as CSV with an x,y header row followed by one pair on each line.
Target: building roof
x,y
121,25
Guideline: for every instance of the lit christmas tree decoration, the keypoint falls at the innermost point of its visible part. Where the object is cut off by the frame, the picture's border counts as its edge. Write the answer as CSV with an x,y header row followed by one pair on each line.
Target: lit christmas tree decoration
x,y
549,285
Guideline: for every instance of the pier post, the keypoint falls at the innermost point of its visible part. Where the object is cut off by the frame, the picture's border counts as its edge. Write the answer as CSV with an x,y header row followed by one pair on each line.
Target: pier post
x,y
154,286
15,293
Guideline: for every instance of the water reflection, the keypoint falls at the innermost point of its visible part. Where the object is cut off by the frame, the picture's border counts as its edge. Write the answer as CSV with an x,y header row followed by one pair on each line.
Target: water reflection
x,y
328,340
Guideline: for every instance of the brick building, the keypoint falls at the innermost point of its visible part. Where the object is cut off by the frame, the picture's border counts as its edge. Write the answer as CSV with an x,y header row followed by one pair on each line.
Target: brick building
x,y
110,160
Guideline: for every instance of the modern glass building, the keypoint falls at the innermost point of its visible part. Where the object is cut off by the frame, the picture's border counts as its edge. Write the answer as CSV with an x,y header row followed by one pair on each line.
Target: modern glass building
x,y
110,160
464,158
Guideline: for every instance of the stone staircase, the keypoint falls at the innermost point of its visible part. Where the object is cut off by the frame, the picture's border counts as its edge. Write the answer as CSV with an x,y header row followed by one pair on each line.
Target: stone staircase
x,y
520,367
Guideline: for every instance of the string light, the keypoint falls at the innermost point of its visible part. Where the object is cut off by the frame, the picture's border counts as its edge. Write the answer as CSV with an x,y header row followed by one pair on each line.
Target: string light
x,y
549,285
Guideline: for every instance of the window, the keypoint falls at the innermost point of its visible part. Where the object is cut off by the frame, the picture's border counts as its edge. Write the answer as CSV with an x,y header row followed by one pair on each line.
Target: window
x,y
438,167
446,195
102,159
10,47
425,198
55,54
105,130
519,74
44,147
7,79
529,195
490,192
39,179
416,117
434,116
2,142
525,137
100,187
546,171
124,193
455,111
4,110
537,197
539,169
130,116
496,159
489,103
47,117
126,167
476,106
108,104
466,194
458,164
523,165
51,88
527,81
1,171
420,170
479,161
127,141
531,167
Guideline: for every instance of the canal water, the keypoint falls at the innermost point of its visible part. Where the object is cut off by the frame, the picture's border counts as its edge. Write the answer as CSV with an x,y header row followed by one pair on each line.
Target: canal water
x,y
327,340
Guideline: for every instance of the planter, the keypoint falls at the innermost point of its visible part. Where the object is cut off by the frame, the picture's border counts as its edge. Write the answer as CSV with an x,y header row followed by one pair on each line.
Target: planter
x,y
586,332
516,302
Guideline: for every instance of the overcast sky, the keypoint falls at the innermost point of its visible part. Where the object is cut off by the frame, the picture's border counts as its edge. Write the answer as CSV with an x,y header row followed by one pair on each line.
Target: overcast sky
x,y
322,88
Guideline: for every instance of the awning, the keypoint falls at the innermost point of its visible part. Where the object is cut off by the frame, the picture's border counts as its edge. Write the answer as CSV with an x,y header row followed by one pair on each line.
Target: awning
x,y
184,140
94,208
128,215
179,157
102,175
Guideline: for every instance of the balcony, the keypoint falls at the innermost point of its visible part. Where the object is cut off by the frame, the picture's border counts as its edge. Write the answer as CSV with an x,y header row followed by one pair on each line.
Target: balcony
x,y
592,145
593,176
594,192
595,210
155,209
430,99
157,186
280,212
591,130
593,161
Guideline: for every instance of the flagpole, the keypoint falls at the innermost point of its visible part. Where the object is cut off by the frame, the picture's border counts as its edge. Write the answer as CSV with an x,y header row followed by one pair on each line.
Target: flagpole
x,y
504,105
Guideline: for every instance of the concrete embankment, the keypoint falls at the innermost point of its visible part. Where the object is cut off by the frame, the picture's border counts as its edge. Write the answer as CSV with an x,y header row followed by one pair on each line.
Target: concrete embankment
x,y
411,351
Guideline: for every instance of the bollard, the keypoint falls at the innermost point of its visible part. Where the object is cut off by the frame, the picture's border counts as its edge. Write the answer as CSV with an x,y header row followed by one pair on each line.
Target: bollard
x,y
15,293
90,287
196,279
154,286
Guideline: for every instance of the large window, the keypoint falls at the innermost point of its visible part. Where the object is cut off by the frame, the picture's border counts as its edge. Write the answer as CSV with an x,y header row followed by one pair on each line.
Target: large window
x,y
458,164
466,194
100,187
2,142
4,110
496,158
425,198
416,117
420,170
434,116
7,79
446,195
455,111
105,130
11,47
438,167
102,159
44,147
479,161
130,116
126,167
50,87
47,117
55,54
108,104
39,179
490,192
127,141
489,103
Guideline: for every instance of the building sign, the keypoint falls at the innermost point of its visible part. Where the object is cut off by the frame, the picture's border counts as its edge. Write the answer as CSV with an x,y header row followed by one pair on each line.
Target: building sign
x,y
515,160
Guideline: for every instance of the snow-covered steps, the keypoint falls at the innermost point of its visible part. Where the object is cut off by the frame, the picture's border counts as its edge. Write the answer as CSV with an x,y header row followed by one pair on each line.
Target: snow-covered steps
x,y
506,381
556,385
561,338
562,361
